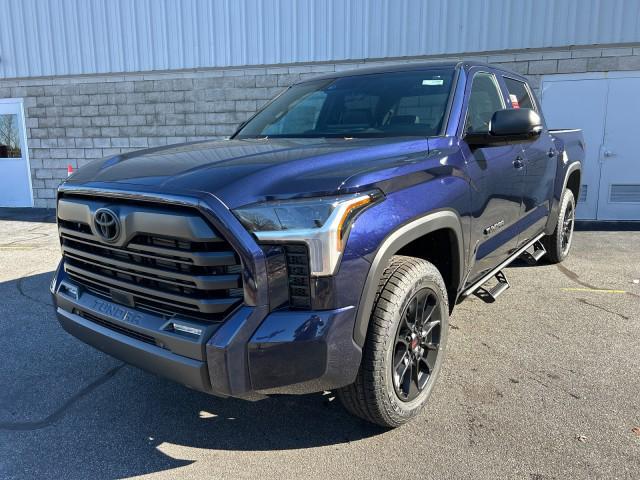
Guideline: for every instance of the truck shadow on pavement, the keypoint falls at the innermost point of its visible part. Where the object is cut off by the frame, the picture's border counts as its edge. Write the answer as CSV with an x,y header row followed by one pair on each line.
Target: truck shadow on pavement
x,y
69,411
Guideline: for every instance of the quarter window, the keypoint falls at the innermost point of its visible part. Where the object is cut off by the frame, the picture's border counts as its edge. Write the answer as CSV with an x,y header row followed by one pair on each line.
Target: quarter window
x,y
518,93
485,99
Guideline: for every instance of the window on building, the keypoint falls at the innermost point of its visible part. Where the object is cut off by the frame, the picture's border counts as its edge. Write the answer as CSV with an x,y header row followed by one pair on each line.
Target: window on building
x,y
485,99
518,93
9,136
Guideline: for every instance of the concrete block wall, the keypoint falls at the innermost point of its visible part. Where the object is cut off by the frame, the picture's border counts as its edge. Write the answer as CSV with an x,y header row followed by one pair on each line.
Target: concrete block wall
x,y
73,120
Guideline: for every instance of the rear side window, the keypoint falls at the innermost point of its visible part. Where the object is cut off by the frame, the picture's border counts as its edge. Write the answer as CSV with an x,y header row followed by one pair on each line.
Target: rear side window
x,y
518,94
484,100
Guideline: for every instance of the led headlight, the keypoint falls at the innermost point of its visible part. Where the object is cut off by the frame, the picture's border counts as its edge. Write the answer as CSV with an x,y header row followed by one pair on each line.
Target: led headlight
x,y
322,223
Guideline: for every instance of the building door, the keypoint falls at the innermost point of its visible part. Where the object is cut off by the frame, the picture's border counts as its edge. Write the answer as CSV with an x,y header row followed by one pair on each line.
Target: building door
x,y
619,195
15,173
604,106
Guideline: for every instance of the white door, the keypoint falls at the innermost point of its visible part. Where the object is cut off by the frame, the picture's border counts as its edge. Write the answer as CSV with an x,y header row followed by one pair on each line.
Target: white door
x,y
15,173
603,105
619,196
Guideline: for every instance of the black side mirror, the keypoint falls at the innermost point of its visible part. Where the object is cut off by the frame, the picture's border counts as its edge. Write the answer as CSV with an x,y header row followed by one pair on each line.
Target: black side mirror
x,y
507,126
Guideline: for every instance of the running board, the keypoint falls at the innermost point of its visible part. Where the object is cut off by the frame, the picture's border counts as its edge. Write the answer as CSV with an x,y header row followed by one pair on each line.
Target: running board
x,y
498,270
532,257
490,296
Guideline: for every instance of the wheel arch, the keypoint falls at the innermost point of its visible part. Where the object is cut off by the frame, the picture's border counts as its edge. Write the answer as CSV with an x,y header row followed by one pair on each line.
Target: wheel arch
x,y
572,182
569,179
411,239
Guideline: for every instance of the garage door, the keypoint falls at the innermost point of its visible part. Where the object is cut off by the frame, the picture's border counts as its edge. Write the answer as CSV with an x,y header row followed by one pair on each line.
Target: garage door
x,y
605,106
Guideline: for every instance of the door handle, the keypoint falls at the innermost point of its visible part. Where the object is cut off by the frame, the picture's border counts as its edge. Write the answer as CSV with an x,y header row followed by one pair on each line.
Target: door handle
x,y
609,153
518,163
552,152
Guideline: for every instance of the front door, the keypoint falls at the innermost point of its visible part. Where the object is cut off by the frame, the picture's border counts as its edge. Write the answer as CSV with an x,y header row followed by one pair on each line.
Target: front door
x,y
15,174
496,174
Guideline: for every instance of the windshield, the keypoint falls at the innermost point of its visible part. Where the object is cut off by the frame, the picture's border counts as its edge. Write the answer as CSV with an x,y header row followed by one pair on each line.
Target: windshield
x,y
409,103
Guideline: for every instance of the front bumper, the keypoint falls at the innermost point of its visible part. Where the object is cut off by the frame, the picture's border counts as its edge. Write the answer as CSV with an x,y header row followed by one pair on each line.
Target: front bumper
x,y
252,352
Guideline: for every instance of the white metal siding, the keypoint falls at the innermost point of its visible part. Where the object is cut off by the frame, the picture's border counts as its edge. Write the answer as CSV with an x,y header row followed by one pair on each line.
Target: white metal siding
x,y
61,37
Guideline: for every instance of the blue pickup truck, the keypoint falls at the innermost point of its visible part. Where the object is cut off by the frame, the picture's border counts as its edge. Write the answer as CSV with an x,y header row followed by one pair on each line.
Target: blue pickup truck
x,y
325,244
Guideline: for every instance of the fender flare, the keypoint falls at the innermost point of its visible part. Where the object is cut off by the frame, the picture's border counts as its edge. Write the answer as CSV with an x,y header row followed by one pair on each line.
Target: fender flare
x,y
443,219
553,214
570,169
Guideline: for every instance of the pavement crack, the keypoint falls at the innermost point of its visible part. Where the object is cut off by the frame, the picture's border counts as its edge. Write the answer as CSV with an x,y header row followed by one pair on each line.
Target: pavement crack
x,y
20,288
60,412
574,277
34,236
554,385
582,300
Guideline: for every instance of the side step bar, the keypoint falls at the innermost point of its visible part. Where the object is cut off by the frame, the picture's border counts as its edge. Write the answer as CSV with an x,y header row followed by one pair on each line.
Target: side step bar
x,y
532,257
503,284
490,296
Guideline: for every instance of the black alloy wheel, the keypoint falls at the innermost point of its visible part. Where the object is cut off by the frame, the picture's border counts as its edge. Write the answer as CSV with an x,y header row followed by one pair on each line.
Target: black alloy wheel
x,y
417,345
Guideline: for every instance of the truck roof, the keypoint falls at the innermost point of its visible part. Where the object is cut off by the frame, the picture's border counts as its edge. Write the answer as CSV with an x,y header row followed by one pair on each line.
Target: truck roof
x,y
408,67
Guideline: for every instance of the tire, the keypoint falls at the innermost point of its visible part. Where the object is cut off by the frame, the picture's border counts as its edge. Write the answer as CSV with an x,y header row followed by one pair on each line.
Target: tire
x,y
380,395
558,244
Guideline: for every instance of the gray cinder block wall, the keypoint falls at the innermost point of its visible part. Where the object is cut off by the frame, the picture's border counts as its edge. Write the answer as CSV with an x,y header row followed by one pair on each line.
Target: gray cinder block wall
x,y
73,120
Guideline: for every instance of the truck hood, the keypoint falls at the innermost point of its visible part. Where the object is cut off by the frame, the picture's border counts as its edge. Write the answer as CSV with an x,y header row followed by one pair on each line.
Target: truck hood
x,y
240,172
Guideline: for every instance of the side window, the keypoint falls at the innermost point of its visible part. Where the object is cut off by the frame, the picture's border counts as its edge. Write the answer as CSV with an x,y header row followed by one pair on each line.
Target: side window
x,y
518,94
485,99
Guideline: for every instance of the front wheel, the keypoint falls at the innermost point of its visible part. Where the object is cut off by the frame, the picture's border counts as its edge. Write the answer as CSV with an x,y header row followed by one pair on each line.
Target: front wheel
x,y
558,243
405,344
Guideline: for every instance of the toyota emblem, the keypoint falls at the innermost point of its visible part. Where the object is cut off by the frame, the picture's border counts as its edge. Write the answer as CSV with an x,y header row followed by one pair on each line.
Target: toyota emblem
x,y
107,224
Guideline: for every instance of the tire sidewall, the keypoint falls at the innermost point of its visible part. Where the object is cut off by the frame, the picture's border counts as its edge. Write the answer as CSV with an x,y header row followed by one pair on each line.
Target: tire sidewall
x,y
567,198
400,408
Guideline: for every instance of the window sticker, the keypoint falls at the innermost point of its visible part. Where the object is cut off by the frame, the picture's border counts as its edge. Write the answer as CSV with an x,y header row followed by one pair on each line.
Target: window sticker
x,y
514,101
433,82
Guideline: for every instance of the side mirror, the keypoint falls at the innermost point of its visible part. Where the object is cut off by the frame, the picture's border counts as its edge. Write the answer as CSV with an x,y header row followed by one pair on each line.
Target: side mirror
x,y
507,126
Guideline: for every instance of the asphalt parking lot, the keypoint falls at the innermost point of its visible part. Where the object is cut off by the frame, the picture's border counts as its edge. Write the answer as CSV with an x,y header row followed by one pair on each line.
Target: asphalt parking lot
x,y
543,384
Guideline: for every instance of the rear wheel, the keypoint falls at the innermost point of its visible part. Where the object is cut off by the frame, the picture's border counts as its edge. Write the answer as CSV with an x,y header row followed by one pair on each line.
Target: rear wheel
x,y
558,244
405,344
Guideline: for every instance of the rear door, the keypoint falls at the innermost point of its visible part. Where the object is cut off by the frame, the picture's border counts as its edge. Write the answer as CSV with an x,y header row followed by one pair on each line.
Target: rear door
x,y
496,175
540,167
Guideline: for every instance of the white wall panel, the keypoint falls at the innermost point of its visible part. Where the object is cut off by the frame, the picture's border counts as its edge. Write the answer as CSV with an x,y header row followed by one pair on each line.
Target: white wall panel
x,y
63,37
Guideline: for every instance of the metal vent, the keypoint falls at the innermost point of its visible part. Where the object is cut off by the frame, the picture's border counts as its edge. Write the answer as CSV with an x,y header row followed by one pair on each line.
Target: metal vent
x,y
624,194
299,281
583,193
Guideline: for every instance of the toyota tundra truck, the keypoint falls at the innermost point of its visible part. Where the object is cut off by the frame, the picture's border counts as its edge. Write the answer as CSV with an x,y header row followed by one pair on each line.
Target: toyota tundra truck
x,y
325,244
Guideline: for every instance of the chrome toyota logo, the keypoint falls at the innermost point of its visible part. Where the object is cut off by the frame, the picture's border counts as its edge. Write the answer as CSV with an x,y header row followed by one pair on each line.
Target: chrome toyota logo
x,y
107,224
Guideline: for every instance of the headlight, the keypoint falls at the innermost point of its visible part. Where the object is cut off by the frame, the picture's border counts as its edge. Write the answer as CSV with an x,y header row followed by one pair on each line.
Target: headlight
x,y
322,223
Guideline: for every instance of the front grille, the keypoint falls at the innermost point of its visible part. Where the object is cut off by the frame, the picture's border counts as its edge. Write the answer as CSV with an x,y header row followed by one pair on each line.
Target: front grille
x,y
297,257
117,328
157,272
